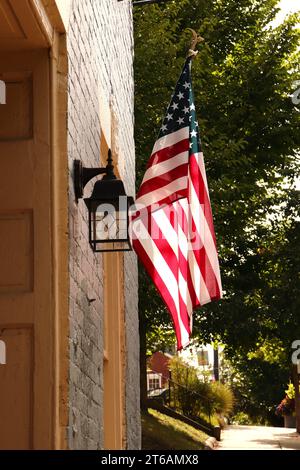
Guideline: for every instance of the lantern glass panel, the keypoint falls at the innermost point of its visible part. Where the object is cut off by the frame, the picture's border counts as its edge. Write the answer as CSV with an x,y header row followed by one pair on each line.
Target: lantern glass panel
x,y
109,226
106,223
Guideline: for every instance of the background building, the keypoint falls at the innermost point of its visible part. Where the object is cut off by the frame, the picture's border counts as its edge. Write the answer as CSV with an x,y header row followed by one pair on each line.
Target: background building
x,y
204,358
68,316
158,370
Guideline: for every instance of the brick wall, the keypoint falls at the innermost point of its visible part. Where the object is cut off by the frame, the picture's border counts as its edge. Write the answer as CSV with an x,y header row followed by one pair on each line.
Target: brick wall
x,y
100,52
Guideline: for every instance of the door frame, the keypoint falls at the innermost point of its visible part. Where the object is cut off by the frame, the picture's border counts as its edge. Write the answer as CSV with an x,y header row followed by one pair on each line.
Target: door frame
x,y
53,28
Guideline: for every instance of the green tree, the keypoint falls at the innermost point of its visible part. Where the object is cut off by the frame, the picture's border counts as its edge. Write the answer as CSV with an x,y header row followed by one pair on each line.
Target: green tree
x,y
243,77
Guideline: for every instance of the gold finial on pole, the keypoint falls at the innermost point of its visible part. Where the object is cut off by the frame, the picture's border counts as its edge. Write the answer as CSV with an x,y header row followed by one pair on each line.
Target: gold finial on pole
x,y
196,38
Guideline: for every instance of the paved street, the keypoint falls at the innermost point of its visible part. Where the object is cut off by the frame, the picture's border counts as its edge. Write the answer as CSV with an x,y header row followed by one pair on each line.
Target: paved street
x,y
259,438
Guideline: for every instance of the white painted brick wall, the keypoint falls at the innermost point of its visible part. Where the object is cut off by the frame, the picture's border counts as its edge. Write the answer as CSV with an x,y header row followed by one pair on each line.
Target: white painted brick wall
x,y
100,51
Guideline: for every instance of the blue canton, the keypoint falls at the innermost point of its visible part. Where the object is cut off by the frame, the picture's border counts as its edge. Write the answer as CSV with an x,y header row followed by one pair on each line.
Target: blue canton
x,y
181,110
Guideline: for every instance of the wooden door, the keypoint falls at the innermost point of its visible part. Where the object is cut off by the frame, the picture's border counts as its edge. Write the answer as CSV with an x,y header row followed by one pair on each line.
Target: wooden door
x,y
26,379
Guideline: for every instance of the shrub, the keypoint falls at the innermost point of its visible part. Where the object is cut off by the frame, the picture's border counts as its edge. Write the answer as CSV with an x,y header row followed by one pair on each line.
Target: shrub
x,y
185,381
241,418
205,398
223,398
193,397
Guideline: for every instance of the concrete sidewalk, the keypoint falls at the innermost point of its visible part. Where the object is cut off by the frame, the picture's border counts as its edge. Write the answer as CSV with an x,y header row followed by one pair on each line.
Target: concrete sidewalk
x,y
259,438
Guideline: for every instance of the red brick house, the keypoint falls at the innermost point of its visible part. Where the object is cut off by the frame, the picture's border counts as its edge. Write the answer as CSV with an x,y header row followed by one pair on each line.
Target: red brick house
x,y
158,372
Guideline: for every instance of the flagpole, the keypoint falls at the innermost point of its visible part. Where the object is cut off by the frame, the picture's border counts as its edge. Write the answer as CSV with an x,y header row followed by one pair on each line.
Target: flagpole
x,y
141,3
196,38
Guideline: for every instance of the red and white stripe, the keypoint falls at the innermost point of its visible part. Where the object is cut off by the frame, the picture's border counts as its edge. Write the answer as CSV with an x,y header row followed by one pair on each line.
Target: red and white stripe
x,y
173,232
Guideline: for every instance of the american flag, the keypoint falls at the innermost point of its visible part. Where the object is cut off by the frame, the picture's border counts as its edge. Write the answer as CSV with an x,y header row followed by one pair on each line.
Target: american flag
x,y
171,225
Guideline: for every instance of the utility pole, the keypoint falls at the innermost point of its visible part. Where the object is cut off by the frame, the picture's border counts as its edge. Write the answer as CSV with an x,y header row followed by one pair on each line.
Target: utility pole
x,y
295,376
216,362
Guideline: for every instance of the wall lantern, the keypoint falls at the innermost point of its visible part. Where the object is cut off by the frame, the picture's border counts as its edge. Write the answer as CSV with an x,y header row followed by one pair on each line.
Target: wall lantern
x,y
108,207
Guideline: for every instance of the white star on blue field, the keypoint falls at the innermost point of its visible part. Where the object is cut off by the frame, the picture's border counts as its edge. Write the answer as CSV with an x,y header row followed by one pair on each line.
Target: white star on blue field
x,y
181,111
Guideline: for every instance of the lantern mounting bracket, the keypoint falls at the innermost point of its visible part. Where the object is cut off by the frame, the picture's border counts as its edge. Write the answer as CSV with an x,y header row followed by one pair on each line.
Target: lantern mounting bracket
x,y
82,174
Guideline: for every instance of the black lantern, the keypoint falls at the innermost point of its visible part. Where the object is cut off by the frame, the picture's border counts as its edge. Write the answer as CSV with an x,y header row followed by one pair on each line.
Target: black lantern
x,y
108,207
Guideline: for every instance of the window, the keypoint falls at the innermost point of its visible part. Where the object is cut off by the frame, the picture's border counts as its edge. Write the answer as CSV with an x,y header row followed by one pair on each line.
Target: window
x,y
154,381
154,384
202,358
